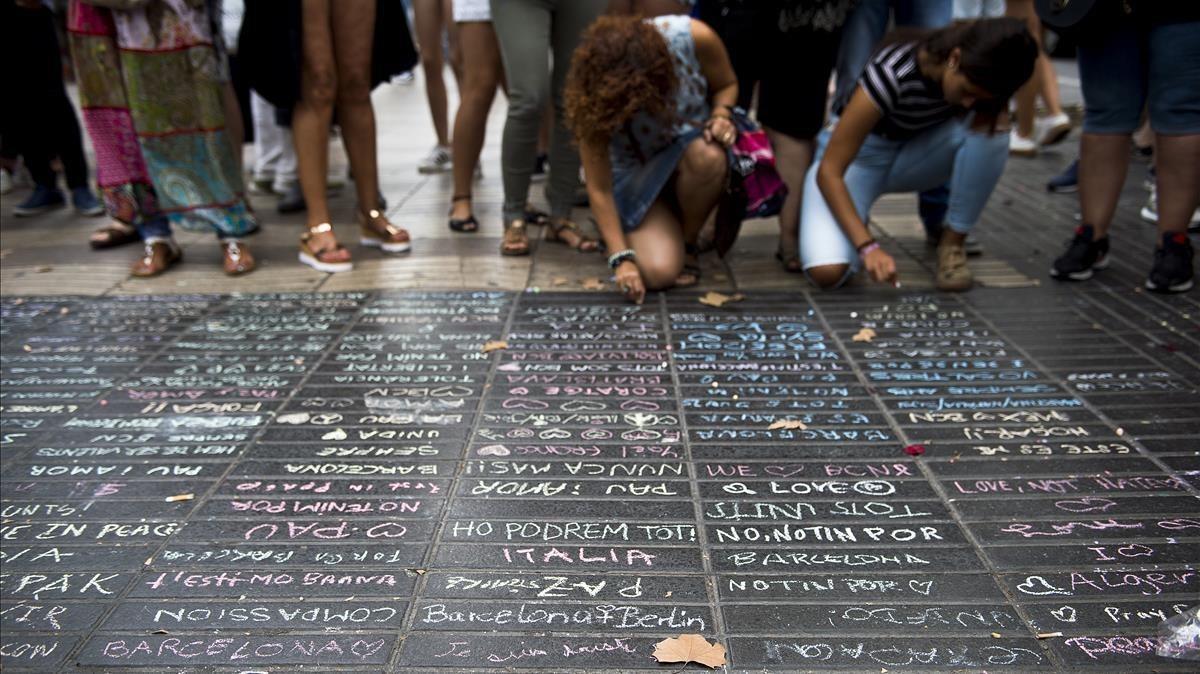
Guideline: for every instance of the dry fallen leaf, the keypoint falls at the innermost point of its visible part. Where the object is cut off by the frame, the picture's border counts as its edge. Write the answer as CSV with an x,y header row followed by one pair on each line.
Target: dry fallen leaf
x,y
43,270
1049,635
713,299
180,497
559,281
864,335
495,345
789,424
592,283
690,648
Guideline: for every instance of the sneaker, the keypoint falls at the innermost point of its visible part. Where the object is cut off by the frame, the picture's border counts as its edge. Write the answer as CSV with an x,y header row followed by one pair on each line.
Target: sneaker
x,y
1021,146
85,202
7,184
1065,182
539,167
437,161
406,77
43,199
1051,129
972,246
1172,270
952,271
1149,212
1084,255
292,201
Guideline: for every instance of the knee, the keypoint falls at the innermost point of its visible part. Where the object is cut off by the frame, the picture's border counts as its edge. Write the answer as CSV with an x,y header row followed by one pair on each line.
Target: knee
x,y
321,87
660,273
704,161
828,275
525,105
354,88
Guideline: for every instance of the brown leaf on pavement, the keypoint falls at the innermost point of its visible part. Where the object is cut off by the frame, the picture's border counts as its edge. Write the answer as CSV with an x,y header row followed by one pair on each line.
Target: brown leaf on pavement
x,y
789,424
714,299
864,335
495,345
592,283
690,648
559,281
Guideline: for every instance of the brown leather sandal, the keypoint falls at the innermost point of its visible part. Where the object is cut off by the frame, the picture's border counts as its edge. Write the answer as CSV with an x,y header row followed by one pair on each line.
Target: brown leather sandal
x,y
378,232
160,255
115,233
515,242
331,259
237,258
556,229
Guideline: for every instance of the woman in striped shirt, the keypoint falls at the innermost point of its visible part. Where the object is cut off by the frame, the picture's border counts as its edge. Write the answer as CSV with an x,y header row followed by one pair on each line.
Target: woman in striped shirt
x,y
924,112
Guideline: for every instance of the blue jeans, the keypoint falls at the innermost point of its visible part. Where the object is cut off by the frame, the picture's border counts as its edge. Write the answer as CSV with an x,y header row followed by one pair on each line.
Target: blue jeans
x,y
972,162
1132,66
863,30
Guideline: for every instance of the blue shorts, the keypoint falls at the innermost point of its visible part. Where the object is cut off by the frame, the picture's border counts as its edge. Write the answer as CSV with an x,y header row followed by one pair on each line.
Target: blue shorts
x,y
1135,66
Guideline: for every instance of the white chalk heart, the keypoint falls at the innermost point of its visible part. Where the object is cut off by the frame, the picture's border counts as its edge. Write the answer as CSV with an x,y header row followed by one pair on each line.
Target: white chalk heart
x,y
335,434
493,450
1065,614
644,405
293,418
921,587
365,649
582,406
1038,586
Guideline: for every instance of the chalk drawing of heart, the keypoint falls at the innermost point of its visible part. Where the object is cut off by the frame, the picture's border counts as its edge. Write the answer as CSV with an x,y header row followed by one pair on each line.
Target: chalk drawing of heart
x,y
640,435
555,434
783,471
582,406
644,405
1036,585
293,418
509,367
519,391
520,433
335,434
493,450
1065,614
524,404
921,587
365,649
596,434
640,419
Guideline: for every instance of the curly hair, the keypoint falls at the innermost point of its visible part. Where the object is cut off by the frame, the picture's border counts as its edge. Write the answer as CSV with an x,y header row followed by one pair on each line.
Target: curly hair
x,y
621,67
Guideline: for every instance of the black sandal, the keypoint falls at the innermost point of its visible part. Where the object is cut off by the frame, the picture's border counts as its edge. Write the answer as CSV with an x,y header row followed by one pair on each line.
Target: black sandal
x,y
690,268
535,217
465,225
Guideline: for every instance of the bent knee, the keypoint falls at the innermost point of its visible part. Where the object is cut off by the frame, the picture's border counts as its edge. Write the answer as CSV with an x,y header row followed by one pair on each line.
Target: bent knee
x,y
705,160
828,275
660,274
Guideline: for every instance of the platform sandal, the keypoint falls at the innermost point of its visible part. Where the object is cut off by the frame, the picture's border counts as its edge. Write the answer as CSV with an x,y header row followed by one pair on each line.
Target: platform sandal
x,y
330,259
516,241
389,238
465,225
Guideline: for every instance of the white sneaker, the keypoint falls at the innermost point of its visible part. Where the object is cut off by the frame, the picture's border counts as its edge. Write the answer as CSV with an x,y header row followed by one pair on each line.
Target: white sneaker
x,y
1052,129
1020,145
406,77
437,161
6,182
1149,212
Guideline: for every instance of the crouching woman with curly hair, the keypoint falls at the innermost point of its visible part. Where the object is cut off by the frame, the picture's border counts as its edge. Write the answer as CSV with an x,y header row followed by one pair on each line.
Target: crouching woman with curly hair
x,y
649,102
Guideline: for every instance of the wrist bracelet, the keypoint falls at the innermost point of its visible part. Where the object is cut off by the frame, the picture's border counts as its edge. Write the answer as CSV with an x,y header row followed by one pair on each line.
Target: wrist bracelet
x,y
620,256
868,248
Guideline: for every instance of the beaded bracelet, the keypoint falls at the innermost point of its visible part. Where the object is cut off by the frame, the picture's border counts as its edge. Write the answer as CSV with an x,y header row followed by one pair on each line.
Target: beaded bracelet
x,y
867,247
620,256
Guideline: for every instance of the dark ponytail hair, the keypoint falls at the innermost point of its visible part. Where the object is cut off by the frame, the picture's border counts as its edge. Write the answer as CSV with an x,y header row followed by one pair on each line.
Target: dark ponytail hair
x,y
998,55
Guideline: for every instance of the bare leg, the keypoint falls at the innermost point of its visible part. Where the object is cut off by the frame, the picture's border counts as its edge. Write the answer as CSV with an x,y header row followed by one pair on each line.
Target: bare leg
x,y
698,184
658,244
1178,168
455,56
1049,82
792,157
429,37
1027,94
483,71
1103,161
353,26
311,119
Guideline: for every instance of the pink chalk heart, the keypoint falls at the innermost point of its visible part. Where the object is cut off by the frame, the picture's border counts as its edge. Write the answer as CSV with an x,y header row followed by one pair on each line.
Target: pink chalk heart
x,y
783,471
493,450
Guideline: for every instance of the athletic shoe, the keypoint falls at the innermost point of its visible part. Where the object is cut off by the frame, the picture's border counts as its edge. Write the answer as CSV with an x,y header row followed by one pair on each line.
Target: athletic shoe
x,y
952,271
1084,255
437,161
1051,129
43,199
7,184
406,77
1065,182
1149,212
972,246
292,201
1172,271
85,202
1021,146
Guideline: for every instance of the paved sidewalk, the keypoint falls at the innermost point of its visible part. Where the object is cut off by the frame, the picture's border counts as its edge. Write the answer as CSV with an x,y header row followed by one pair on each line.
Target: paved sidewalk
x,y
453,461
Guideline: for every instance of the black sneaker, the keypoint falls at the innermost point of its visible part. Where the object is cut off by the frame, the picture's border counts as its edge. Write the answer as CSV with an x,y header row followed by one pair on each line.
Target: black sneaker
x,y
1065,182
1172,271
1084,255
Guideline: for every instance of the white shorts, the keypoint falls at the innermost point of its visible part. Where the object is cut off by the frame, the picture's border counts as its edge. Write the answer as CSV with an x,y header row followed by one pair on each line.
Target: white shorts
x,y
472,10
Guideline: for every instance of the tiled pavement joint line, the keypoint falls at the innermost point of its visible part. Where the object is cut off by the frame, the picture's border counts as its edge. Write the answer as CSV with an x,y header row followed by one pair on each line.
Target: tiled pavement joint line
x,y
85,637
201,500
936,485
1105,307
710,577
1087,404
406,629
